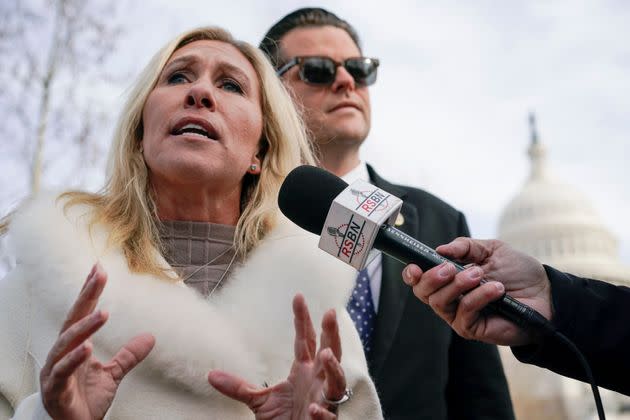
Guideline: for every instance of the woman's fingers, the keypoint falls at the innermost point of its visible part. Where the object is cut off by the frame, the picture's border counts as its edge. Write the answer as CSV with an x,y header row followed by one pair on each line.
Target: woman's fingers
x,y
75,335
89,276
88,297
57,380
127,358
82,321
305,338
317,412
237,388
335,379
330,334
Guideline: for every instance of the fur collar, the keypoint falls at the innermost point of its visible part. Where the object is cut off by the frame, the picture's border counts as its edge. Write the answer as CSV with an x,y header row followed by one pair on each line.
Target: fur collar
x,y
246,328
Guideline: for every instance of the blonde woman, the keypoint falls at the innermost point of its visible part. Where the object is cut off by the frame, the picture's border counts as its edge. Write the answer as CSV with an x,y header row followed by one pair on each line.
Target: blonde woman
x,y
197,270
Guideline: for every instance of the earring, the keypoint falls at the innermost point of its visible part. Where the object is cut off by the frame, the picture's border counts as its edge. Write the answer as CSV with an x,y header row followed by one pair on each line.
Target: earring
x,y
253,167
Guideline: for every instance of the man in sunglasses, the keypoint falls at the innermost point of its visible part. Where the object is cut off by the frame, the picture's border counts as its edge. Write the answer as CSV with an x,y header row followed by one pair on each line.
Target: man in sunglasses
x,y
421,368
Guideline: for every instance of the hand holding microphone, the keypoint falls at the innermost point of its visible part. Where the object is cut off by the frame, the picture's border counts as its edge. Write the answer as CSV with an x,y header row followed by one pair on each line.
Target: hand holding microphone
x,y
459,297
306,197
312,198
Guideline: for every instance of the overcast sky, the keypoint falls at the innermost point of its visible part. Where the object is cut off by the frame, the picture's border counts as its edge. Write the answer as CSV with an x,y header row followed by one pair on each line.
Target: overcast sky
x,y
456,83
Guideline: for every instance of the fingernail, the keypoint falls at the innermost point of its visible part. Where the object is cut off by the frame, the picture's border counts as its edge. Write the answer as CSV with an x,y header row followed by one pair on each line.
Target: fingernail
x,y
91,275
406,275
500,287
82,349
216,378
96,315
474,273
445,270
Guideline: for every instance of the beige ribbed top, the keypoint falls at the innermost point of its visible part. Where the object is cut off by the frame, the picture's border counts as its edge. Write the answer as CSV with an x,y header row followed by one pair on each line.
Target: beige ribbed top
x,y
190,245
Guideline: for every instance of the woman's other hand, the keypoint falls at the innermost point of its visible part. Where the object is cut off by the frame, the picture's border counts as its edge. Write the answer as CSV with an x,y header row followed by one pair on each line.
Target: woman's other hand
x,y
74,384
314,374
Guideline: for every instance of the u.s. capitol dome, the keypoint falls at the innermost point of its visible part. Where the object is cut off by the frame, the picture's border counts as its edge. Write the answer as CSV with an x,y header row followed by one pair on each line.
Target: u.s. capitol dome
x,y
556,223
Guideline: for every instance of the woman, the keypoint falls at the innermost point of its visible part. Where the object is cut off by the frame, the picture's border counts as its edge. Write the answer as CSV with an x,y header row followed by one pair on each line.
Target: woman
x,y
203,145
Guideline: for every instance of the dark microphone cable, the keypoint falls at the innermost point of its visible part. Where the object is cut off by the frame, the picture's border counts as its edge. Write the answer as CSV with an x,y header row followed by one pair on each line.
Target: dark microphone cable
x,y
587,370
305,198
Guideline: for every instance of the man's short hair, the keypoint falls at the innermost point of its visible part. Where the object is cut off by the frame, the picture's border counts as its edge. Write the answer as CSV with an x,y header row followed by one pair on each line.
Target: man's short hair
x,y
301,18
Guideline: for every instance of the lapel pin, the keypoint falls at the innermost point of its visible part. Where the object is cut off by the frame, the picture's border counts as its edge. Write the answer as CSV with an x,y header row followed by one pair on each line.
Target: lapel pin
x,y
400,220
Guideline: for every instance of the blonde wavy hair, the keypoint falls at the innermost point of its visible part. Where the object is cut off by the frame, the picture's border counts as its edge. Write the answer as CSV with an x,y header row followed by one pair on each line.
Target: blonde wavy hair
x,y
126,205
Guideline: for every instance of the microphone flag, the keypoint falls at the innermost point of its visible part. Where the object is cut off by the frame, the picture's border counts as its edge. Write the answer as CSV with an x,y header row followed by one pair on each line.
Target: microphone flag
x,y
353,221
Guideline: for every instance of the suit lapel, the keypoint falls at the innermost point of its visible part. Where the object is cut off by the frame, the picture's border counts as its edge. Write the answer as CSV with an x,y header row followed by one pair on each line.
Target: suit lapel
x,y
394,292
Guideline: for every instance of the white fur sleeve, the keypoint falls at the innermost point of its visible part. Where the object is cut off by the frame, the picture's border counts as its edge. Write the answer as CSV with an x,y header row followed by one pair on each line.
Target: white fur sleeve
x,y
18,396
31,408
5,408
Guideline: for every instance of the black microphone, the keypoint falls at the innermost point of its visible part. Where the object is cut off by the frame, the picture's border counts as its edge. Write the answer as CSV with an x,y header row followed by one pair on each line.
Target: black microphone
x,y
305,198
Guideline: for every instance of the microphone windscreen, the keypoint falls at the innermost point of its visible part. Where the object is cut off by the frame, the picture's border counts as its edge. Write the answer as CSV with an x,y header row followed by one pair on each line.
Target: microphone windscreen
x,y
307,194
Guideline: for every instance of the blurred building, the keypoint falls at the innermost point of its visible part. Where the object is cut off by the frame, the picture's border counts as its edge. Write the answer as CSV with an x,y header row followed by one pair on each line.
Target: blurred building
x,y
554,222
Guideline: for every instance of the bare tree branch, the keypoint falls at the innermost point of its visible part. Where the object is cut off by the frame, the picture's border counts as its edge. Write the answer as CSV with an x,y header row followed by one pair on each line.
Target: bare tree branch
x,y
53,49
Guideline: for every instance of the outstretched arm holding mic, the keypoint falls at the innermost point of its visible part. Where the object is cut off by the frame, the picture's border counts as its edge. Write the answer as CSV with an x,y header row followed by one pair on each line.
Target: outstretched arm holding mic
x,y
550,318
591,313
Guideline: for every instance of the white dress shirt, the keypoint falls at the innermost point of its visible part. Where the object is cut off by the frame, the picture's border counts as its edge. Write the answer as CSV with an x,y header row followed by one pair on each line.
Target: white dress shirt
x,y
375,267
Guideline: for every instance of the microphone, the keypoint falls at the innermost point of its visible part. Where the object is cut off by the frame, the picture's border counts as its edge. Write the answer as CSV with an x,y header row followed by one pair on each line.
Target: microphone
x,y
306,196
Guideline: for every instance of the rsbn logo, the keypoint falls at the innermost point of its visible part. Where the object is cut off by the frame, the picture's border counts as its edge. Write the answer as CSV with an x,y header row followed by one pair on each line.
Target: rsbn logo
x,y
370,201
349,238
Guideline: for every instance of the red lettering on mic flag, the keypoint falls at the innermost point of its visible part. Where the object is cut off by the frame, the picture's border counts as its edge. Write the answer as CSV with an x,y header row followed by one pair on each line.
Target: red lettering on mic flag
x,y
349,238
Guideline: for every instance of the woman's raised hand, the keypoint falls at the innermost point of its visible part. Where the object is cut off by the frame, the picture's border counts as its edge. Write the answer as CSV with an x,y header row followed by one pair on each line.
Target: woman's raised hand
x,y
74,384
315,374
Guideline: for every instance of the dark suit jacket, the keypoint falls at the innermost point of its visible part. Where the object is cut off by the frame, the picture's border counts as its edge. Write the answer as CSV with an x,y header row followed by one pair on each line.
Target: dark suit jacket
x,y
594,315
421,368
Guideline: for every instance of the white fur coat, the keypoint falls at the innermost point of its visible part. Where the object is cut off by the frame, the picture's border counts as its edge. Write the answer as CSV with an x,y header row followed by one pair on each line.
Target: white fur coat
x,y
246,328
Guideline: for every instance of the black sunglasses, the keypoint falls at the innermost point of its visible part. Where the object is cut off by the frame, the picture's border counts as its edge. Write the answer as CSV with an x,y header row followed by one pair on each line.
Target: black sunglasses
x,y
323,70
